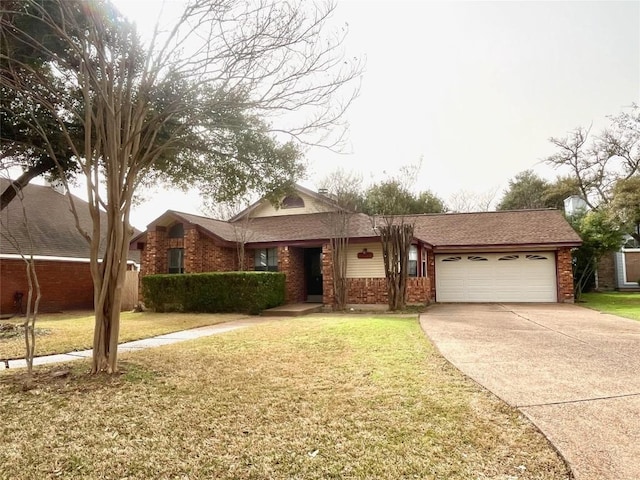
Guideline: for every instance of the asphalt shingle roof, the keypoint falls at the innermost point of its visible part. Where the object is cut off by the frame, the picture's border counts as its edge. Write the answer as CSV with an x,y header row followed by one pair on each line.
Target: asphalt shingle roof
x,y
505,228
51,225
526,227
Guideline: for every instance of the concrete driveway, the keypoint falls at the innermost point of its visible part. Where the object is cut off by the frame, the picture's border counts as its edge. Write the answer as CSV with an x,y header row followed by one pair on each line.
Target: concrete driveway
x,y
573,371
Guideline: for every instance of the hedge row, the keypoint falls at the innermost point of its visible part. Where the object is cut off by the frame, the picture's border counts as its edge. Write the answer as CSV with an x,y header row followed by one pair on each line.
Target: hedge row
x,y
246,292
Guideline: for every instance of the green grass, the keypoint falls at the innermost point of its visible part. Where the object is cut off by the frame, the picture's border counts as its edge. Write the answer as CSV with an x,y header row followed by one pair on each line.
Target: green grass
x,y
323,397
617,303
61,333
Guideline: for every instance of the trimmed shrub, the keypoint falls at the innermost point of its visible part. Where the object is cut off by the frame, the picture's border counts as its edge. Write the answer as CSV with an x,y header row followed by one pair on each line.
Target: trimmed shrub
x,y
246,292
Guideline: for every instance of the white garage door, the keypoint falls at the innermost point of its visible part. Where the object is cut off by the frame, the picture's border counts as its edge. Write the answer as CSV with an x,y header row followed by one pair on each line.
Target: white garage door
x,y
496,277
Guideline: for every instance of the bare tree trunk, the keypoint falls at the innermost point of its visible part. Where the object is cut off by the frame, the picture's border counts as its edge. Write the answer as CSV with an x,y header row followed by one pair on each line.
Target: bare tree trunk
x,y
338,224
30,318
396,242
581,282
339,247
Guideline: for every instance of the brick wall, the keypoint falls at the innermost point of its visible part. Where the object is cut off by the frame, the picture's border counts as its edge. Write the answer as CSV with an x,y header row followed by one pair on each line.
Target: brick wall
x,y
249,259
419,290
370,291
565,275
203,255
431,274
367,291
291,263
153,258
64,285
327,276
607,273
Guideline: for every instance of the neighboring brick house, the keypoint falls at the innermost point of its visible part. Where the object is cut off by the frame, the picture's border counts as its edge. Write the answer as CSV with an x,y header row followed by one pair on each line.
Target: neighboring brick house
x,y
512,256
620,270
60,253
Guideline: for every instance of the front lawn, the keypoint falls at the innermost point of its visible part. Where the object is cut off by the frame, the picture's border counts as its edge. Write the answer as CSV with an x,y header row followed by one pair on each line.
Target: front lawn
x,y
315,398
61,333
617,303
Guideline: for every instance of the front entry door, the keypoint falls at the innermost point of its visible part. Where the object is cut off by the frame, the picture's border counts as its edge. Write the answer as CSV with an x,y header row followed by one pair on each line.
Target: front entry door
x,y
313,273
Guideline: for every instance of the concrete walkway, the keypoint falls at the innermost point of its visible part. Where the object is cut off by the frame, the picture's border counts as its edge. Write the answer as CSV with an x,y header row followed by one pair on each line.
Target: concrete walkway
x,y
160,340
574,372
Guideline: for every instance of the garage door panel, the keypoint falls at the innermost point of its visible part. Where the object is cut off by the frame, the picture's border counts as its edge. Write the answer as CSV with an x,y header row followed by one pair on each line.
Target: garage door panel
x,y
497,277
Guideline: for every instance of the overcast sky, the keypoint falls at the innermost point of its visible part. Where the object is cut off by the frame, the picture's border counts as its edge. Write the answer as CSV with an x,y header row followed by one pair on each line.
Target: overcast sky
x,y
475,88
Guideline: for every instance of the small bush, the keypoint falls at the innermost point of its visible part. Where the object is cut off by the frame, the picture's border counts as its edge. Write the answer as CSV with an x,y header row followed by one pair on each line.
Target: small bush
x,y
246,292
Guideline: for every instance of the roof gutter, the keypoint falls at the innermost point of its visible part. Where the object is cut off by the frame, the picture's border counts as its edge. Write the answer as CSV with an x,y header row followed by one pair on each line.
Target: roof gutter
x,y
504,247
53,258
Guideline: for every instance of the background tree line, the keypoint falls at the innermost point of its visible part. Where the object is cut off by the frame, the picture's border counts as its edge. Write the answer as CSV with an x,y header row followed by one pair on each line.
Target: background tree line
x,y
604,171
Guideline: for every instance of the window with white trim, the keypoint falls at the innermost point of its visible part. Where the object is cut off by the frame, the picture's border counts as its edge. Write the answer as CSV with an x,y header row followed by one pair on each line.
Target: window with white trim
x,y
266,260
292,201
413,261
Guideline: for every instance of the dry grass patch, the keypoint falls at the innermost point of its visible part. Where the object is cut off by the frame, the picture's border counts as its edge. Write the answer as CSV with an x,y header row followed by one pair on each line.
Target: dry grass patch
x,y
61,333
304,398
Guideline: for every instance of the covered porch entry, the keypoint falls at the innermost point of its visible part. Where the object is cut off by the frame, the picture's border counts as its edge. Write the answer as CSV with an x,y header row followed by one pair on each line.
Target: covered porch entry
x,y
313,274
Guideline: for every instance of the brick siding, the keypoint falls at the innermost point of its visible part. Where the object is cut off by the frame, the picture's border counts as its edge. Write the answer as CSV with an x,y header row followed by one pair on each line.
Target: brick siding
x,y
419,290
607,273
201,254
431,274
367,290
328,296
564,273
64,285
291,263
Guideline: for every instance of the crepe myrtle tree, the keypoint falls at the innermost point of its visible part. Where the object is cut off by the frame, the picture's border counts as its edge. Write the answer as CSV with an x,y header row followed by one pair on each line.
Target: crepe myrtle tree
x,y
207,103
396,234
29,305
345,190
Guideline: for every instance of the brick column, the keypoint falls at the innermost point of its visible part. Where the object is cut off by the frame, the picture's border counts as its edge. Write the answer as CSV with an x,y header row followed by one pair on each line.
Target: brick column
x,y
431,273
192,257
291,263
564,272
154,257
328,297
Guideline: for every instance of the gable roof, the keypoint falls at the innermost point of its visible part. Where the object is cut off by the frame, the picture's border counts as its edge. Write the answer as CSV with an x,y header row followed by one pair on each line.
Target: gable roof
x,y
311,226
218,228
51,225
495,229
285,228
324,199
441,231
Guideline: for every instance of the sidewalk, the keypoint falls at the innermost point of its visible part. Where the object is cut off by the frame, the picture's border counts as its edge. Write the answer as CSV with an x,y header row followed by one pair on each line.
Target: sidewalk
x,y
159,341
